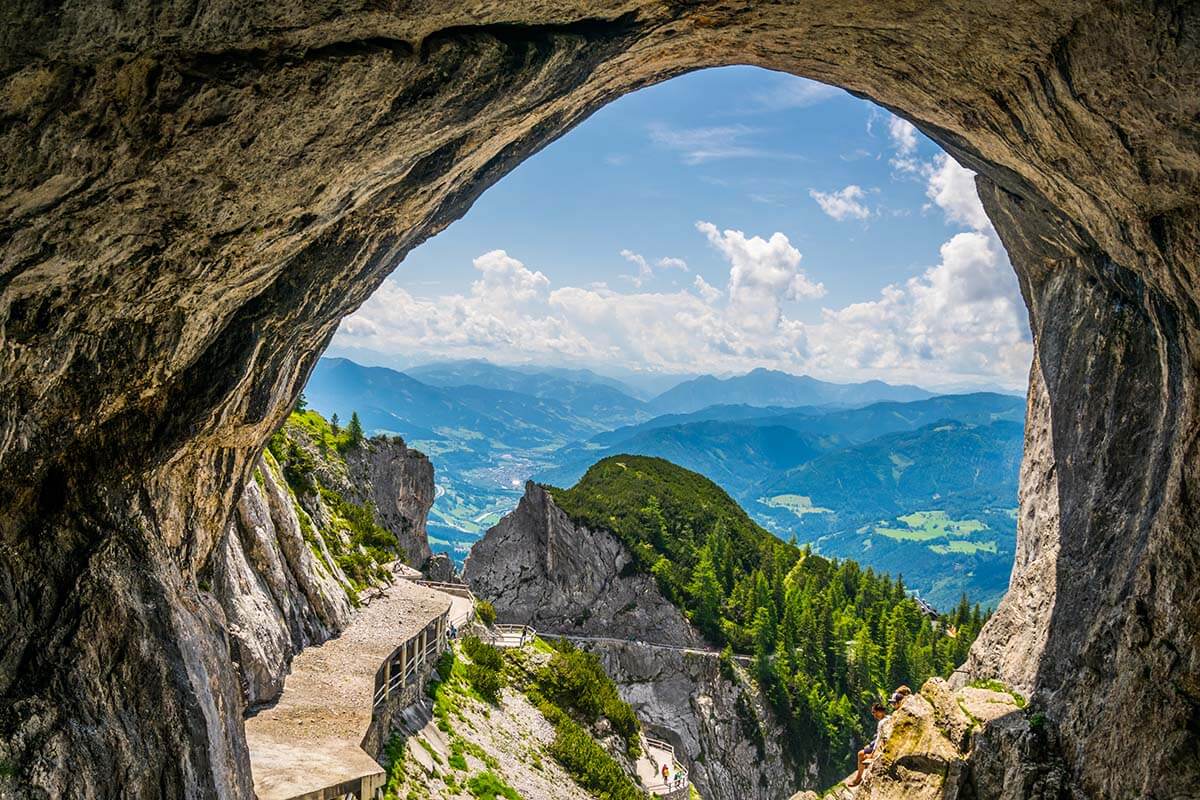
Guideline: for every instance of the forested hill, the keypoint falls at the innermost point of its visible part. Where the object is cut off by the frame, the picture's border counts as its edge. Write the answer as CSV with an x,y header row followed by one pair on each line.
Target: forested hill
x,y
829,637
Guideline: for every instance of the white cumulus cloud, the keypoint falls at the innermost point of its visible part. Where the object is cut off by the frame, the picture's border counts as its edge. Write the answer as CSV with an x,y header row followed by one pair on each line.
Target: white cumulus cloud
x,y
707,291
505,276
843,204
952,188
762,273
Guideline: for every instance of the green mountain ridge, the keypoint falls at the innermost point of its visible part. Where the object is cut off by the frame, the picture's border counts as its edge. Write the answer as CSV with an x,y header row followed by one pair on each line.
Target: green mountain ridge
x,y
827,637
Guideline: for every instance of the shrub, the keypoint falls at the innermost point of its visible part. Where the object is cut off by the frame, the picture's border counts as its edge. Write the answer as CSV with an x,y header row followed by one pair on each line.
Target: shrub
x,y
486,612
588,763
485,681
482,653
575,681
490,786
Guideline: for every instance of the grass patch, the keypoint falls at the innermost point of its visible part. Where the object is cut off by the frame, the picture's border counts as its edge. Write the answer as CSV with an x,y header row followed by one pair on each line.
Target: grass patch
x,y
962,547
575,682
485,673
798,504
587,762
997,686
393,762
924,526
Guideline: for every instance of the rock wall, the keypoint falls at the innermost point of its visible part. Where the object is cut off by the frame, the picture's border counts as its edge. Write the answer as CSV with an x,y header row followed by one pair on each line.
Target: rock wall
x,y
969,744
280,593
719,724
193,194
398,482
537,567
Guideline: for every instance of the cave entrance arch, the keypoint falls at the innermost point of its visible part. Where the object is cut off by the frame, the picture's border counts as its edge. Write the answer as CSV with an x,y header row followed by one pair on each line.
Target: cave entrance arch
x,y
193,200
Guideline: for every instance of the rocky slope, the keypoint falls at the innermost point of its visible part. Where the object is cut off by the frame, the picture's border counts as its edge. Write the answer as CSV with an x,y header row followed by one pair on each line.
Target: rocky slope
x,y
280,572
538,567
192,195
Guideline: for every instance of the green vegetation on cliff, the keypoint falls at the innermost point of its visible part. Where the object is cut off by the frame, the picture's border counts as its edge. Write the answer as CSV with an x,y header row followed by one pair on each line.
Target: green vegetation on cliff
x,y
828,637
310,452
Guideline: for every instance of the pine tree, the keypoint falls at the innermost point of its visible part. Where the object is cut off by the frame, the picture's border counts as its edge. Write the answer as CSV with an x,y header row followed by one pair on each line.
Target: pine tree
x,y
333,423
897,667
301,402
355,430
705,590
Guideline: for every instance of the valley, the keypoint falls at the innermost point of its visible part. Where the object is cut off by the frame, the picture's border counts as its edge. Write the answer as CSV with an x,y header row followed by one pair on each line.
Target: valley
x,y
897,478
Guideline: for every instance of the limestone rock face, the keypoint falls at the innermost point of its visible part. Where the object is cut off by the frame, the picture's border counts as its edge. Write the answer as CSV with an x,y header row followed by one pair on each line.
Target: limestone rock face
x,y
398,481
539,568
278,595
719,725
192,195
967,744
441,568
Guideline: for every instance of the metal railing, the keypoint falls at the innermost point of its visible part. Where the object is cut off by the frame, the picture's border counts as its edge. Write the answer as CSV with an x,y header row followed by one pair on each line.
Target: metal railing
x,y
677,785
509,636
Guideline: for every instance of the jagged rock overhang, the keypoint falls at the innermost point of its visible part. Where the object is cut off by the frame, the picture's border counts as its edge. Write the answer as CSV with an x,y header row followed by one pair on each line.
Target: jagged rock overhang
x,y
193,199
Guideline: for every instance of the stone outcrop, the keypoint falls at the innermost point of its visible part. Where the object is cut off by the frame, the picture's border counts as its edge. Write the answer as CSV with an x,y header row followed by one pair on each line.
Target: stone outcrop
x,y
969,744
398,483
193,194
539,568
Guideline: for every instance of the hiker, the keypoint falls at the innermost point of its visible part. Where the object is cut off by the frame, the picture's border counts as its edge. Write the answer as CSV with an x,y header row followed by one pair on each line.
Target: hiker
x,y
867,753
666,773
899,696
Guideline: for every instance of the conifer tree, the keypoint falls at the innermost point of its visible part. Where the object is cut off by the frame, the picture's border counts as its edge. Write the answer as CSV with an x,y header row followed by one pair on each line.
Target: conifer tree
x,y
705,590
355,430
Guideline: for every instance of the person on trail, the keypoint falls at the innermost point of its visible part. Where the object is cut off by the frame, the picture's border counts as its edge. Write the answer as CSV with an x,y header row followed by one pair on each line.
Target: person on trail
x,y
867,753
899,696
666,773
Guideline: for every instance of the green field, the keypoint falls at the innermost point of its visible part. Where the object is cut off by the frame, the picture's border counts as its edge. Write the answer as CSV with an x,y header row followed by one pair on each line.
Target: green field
x,y
798,504
924,526
964,547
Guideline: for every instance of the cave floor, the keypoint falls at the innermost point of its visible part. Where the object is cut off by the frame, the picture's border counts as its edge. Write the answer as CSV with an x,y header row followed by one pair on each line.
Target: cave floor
x,y
309,738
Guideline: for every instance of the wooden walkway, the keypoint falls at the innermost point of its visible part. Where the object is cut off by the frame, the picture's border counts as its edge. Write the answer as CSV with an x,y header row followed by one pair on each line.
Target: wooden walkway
x,y
308,743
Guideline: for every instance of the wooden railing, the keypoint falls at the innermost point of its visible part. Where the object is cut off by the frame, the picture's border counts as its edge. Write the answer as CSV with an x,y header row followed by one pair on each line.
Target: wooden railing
x,y
404,666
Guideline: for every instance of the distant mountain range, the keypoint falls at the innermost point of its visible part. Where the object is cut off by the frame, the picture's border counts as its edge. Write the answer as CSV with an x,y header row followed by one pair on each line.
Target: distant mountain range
x,y
892,476
764,387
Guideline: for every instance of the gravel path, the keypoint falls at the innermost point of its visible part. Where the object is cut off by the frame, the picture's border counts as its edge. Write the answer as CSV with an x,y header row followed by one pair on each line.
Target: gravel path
x,y
310,737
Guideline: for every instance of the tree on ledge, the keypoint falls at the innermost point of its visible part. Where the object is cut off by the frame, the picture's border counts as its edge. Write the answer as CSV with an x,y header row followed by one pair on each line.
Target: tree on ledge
x,y
355,430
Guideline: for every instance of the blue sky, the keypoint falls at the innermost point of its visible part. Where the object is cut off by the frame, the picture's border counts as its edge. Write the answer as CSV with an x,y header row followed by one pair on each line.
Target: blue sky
x,y
724,220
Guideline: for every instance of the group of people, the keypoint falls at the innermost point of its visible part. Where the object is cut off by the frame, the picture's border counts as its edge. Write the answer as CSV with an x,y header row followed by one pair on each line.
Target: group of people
x,y
880,714
668,781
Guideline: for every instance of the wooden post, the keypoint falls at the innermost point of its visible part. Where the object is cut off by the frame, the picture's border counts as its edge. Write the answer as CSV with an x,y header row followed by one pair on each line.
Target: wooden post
x,y
403,662
387,678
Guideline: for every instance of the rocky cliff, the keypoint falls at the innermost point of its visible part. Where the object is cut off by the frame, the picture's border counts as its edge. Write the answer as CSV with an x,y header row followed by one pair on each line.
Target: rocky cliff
x,y
538,567
192,195
280,590
302,524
